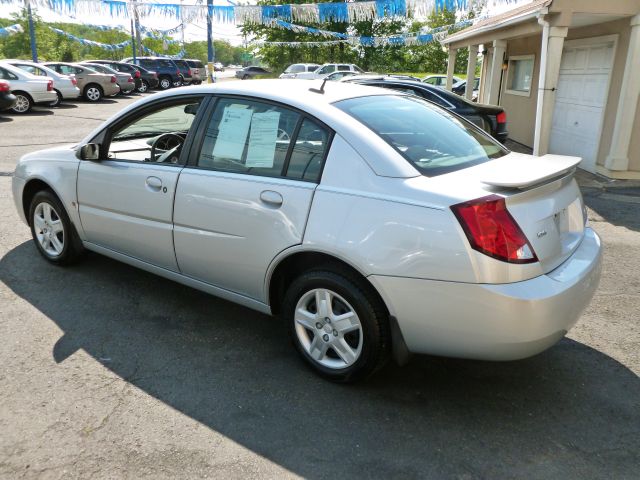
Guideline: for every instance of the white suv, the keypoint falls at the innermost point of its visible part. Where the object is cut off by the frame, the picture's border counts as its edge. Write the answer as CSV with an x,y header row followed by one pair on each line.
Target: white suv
x,y
328,68
293,70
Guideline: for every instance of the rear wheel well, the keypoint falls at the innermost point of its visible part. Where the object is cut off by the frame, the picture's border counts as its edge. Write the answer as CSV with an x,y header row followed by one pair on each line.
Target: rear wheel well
x,y
292,266
30,190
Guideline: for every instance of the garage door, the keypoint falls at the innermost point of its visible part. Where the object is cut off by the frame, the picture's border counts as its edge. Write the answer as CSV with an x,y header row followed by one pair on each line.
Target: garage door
x,y
580,99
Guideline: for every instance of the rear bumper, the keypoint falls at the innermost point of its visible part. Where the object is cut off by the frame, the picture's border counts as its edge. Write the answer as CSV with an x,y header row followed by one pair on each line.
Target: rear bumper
x,y
7,101
111,89
494,321
44,97
70,92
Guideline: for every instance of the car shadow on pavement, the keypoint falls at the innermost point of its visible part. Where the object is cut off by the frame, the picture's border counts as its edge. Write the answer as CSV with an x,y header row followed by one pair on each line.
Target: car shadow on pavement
x,y
5,119
66,106
571,412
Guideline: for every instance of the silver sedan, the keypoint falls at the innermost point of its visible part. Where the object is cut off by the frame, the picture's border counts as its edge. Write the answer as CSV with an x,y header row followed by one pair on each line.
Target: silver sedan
x,y
374,223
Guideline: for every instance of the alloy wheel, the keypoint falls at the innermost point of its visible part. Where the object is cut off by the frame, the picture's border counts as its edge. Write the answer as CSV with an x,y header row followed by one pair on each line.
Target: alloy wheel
x,y
328,328
143,87
93,94
49,229
165,83
23,104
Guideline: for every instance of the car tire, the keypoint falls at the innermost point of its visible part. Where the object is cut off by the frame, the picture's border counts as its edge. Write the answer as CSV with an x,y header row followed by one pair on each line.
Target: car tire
x,y
346,342
53,233
165,83
23,104
178,83
144,87
57,101
93,93
245,77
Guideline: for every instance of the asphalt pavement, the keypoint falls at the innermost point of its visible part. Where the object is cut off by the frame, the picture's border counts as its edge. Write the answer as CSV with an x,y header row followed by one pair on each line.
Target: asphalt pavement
x,y
110,372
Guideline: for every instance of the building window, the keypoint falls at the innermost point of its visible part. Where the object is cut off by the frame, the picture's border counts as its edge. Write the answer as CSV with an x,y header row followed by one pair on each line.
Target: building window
x,y
520,75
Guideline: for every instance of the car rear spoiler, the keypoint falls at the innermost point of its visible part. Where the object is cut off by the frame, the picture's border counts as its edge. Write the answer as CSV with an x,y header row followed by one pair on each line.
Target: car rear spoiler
x,y
517,170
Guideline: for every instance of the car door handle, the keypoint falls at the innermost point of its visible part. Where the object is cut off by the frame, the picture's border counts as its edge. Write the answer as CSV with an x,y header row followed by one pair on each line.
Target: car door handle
x,y
154,183
271,198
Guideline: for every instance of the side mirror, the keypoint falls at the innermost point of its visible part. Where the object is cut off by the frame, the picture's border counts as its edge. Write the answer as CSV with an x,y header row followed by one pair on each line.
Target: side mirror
x,y
89,151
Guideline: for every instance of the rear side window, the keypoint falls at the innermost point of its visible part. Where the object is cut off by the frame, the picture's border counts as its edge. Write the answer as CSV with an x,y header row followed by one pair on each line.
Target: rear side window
x,y
297,68
245,136
432,139
147,63
7,75
166,63
308,152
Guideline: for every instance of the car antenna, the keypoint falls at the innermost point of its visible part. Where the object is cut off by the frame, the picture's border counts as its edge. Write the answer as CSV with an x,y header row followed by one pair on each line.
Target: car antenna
x,y
321,89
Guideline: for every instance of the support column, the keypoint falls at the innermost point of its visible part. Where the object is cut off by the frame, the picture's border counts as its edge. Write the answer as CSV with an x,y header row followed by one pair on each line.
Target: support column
x,y
451,65
544,119
471,71
618,158
495,73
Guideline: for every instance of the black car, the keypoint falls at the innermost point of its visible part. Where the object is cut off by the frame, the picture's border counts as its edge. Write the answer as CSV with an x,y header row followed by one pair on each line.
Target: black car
x,y
122,67
168,72
461,86
7,99
250,72
490,118
149,79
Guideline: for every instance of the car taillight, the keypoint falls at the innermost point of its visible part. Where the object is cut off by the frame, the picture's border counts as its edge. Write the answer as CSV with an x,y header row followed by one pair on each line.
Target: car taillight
x,y
130,79
178,72
50,86
74,82
491,230
4,87
501,117
113,79
155,75
190,74
137,74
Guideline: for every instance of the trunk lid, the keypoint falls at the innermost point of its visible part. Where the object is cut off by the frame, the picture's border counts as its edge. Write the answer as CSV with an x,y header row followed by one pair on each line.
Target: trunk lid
x,y
543,198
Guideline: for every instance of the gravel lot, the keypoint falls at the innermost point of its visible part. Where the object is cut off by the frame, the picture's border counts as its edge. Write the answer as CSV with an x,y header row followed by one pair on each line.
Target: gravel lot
x,y
110,372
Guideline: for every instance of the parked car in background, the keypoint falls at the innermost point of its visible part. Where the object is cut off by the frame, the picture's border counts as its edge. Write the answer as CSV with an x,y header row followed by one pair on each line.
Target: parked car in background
x,y
490,118
440,80
460,87
371,221
198,71
168,72
7,99
336,76
292,70
218,67
123,79
328,68
149,80
122,67
185,72
93,85
251,72
28,89
65,86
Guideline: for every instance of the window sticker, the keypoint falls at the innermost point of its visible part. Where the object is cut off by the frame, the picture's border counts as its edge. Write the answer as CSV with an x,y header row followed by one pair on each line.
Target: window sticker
x,y
262,139
232,133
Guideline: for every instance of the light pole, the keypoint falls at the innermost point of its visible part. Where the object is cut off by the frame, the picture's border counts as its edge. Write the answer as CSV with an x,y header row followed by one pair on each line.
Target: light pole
x,y
210,47
32,33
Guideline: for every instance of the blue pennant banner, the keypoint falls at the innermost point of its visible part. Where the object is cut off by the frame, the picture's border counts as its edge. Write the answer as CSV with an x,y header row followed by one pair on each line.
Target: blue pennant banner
x,y
92,43
11,30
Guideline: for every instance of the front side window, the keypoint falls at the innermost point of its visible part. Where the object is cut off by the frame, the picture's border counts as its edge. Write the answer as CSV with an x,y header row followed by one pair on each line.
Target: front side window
x,y
433,140
245,136
520,75
156,136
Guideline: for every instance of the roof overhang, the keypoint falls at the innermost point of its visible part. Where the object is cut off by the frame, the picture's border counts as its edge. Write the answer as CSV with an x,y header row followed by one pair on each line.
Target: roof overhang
x,y
508,19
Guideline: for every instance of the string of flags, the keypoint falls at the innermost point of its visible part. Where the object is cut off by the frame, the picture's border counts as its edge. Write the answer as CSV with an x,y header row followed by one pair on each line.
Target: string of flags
x,y
92,43
340,12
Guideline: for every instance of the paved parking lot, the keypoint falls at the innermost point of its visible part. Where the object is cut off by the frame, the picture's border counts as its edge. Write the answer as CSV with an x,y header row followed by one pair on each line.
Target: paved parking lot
x,y
111,372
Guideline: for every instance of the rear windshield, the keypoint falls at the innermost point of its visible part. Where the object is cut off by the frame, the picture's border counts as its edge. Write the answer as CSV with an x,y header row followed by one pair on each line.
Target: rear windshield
x,y
432,139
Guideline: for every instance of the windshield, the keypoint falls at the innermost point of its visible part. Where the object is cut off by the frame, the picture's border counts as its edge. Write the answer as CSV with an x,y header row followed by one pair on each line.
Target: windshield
x,y
432,139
